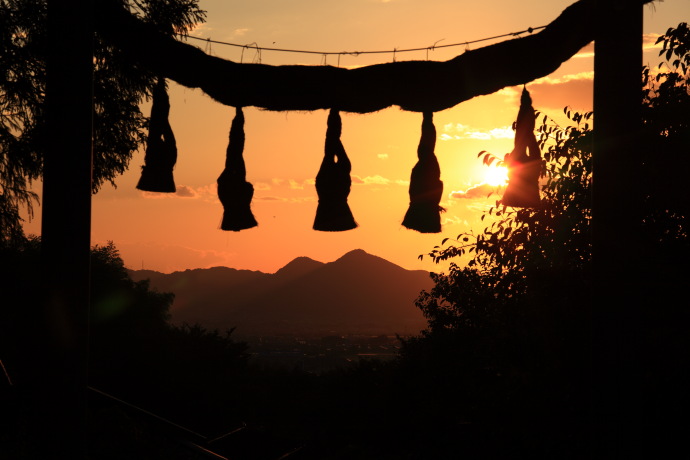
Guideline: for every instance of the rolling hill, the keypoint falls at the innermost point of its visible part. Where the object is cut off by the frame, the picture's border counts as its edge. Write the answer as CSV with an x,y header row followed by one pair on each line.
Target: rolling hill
x,y
357,294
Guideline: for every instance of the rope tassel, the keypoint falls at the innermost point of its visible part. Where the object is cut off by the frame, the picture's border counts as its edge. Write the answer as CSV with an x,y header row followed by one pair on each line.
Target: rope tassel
x,y
161,150
426,186
234,192
333,182
523,169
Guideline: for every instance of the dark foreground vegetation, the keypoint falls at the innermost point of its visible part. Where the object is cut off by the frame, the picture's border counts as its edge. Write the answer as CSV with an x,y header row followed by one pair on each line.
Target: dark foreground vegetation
x,y
503,369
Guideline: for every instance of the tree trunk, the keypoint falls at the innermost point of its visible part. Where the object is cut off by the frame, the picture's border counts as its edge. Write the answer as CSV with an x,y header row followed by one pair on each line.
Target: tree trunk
x,y
59,349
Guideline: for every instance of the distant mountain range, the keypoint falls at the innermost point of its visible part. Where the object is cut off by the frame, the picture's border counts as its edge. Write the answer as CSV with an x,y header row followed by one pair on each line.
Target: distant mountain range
x,y
356,294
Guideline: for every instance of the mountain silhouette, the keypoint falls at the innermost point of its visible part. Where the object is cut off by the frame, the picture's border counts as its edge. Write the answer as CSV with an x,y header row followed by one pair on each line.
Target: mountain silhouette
x,y
358,293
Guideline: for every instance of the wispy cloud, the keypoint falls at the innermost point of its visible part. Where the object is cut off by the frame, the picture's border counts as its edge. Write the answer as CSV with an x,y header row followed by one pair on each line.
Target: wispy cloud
x,y
377,180
458,131
294,185
186,192
201,30
648,43
374,180
453,220
574,90
475,191
183,191
284,199
168,258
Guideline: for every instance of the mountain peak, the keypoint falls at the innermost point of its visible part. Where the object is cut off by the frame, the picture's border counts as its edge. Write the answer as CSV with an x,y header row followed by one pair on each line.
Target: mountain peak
x,y
299,266
355,254
361,257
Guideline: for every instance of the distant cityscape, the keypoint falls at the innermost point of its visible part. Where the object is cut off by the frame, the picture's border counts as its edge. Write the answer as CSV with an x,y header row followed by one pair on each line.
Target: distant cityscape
x,y
319,354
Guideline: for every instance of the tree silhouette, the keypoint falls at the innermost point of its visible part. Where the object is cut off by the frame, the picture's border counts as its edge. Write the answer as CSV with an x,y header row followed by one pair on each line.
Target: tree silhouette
x,y
509,333
119,87
184,372
506,332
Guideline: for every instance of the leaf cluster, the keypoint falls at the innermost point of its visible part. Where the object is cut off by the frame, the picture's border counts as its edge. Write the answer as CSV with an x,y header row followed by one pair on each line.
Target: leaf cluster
x,y
22,90
553,234
676,46
666,139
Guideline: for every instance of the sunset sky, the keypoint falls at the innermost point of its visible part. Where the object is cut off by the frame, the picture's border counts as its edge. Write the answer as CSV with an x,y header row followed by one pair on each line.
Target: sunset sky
x,y
284,150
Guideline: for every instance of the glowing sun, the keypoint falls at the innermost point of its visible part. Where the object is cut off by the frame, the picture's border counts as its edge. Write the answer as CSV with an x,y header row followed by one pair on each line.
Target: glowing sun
x,y
496,175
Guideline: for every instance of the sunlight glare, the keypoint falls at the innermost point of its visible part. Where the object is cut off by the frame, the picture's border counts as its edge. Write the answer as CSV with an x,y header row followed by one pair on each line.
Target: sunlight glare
x,y
496,175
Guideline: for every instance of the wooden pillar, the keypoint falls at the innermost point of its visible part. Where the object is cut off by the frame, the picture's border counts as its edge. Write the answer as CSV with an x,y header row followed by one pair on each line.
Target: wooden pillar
x,y
616,223
59,385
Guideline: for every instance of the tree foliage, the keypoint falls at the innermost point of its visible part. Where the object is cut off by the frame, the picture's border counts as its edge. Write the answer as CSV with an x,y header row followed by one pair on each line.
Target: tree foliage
x,y
184,372
510,329
522,244
119,87
555,236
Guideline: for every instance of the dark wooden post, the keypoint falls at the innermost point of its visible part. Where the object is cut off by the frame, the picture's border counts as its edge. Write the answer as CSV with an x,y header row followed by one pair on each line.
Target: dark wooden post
x,y
59,385
616,223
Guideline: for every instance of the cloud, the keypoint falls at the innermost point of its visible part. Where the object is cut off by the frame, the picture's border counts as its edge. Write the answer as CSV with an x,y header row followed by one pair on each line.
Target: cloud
x,y
282,199
586,52
649,41
201,30
156,195
240,32
185,192
382,156
377,180
453,220
182,191
476,191
458,131
168,258
294,185
573,90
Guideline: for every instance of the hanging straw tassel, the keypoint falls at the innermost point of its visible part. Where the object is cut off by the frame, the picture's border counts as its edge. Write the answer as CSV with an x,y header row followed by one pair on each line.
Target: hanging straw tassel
x,y
234,191
523,169
161,150
333,182
426,187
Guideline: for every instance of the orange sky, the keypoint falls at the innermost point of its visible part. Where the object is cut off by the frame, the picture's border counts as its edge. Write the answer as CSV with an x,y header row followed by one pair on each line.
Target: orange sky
x,y
283,150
